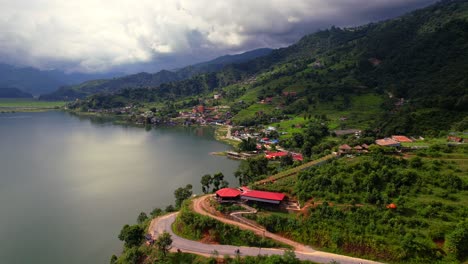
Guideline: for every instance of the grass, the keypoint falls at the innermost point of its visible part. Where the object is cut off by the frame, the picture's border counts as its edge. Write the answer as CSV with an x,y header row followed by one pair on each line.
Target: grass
x,y
24,105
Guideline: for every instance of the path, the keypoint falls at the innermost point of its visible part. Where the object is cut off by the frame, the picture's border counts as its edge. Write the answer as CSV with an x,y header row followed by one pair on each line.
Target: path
x,y
303,252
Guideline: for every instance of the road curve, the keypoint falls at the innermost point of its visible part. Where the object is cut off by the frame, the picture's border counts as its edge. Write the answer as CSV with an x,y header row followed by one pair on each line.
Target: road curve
x,y
164,223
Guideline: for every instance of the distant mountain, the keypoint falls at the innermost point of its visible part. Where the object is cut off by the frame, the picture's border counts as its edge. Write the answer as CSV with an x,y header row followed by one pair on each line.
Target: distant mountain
x,y
145,80
37,82
13,93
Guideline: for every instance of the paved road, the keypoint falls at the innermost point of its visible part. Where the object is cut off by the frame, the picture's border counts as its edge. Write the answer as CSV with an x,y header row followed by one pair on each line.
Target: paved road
x,y
161,224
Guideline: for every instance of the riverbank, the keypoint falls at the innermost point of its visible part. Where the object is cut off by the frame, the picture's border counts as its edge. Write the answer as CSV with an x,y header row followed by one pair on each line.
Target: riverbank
x,y
222,133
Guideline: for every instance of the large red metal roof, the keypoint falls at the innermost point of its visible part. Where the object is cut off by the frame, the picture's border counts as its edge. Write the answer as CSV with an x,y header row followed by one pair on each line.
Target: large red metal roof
x,y
228,192
264,195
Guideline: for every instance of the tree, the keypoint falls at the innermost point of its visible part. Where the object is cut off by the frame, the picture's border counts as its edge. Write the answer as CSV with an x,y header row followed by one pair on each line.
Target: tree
x,y
170,208
156,212
132,235
142,217
164,243
286,160
113,259
182,194
248,144
217,179
251,169
132,256
206,181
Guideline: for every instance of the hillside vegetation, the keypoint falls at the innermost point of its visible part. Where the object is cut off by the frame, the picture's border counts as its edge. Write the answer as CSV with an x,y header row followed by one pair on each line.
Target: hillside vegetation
x,y
405,75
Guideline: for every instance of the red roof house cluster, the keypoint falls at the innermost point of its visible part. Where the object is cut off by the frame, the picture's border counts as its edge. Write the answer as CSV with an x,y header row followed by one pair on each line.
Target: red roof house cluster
x,y
278,154
346,149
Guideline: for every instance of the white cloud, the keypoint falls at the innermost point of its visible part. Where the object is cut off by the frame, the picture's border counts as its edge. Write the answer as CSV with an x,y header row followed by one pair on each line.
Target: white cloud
x,y
97,35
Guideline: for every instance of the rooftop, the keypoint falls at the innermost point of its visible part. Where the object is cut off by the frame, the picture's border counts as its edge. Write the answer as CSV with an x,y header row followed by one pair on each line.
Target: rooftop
x,y
228,192
401,138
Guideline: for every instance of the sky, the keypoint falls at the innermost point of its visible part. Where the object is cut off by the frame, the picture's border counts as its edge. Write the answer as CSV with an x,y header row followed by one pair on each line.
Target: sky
x,y
150,35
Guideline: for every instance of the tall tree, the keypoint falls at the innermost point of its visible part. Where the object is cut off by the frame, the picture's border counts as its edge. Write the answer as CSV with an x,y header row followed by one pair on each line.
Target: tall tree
x,y
131,235
217,179
182,193
164,243
206,181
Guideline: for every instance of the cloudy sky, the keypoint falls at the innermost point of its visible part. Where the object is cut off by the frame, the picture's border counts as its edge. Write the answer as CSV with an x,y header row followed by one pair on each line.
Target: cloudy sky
x,y
136,35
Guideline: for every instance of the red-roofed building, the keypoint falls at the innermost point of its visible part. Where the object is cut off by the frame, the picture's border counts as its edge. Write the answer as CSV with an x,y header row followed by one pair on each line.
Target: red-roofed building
x,y
275,155
401,138
245,194
387,142
297,156
228,194
455,139
262,196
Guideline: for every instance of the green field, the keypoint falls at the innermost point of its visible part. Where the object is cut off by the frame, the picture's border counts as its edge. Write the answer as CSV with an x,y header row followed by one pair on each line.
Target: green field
x,y
26,105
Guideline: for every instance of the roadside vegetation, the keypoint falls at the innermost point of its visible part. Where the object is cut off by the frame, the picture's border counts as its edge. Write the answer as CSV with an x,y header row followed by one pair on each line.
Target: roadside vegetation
x,y
198,227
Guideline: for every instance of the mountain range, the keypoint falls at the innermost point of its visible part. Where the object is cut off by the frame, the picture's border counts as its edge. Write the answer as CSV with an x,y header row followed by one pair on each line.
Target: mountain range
x,y
36,82
144,79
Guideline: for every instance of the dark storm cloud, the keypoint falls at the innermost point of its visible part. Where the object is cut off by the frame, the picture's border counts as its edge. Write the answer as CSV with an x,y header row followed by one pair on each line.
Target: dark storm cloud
x,y
90,35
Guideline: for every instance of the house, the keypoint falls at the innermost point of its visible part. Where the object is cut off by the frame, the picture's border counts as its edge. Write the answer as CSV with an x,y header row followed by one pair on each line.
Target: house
x,y
267,100
358,148
401,139
387,142
245,194
275,155
345,149
455,139
227,194
217,96
261,196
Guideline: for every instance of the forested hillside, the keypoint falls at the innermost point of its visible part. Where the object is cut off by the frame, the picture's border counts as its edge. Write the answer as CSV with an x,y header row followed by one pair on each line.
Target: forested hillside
x,y
414,66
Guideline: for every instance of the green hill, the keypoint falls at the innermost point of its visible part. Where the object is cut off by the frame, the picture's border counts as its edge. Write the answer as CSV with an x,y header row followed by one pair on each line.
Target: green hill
x,y
404,75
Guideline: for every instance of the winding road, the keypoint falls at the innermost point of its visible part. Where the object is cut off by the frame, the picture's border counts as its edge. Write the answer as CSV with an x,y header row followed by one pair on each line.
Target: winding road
x,y
303,252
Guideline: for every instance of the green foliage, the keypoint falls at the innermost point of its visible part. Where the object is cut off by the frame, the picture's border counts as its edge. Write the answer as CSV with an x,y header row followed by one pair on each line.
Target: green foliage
x,y
193,226
131,235
457,241
181,194
163,243
206,182
156,212
142,217
131,256
248,144
217,181
430,196
251,170
113,259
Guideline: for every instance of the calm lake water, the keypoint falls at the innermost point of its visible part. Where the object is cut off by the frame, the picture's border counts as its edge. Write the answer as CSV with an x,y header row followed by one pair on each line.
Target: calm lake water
x,y
68,185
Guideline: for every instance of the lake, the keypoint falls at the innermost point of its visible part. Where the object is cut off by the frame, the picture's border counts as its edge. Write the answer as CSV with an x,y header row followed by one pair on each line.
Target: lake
x,y
68,185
